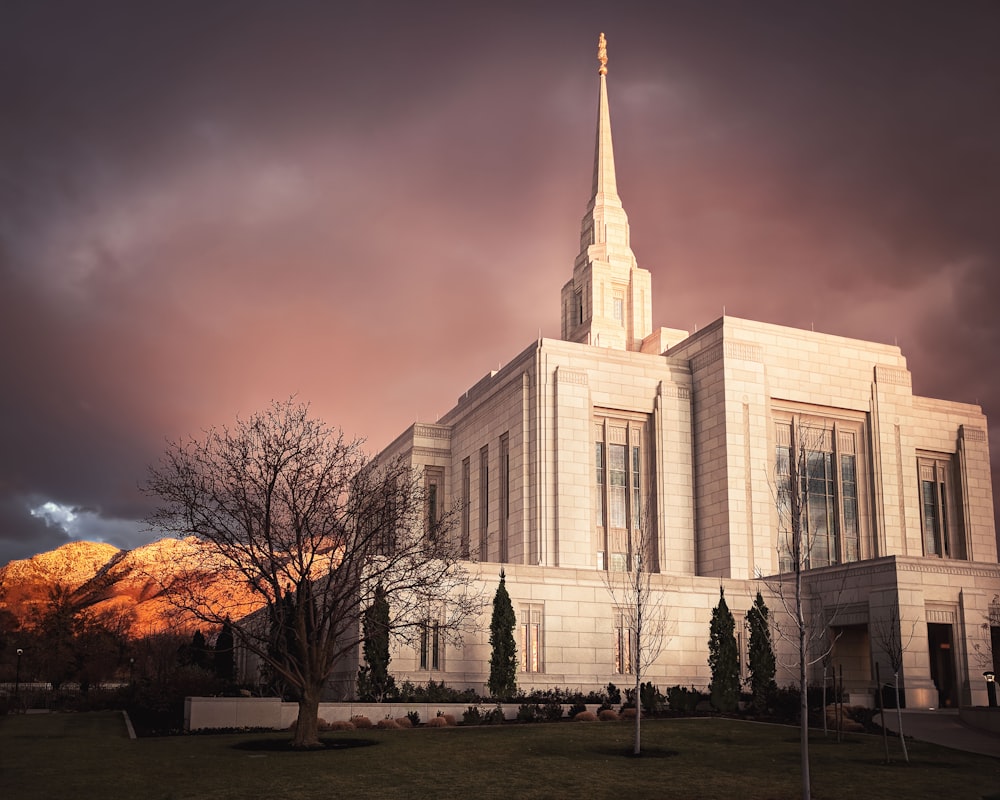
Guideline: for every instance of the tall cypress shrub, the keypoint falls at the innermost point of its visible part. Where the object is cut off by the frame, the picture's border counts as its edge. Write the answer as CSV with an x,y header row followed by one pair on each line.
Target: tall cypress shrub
x,y
723,657
375,684
223,659
761,654
503,657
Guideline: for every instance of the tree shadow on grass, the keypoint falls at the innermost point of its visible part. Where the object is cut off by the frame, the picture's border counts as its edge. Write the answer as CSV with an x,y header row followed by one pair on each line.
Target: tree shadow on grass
x,y
647,752
285,745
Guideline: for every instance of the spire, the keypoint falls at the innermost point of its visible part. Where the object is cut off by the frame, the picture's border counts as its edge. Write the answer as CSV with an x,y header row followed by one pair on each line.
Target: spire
x,y
605,189
607,301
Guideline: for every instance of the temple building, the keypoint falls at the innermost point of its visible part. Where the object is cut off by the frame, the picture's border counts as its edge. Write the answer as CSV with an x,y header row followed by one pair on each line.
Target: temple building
x,y
621,438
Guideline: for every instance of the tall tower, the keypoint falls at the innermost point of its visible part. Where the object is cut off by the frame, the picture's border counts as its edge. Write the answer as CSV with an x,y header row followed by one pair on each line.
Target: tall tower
x,y
608,302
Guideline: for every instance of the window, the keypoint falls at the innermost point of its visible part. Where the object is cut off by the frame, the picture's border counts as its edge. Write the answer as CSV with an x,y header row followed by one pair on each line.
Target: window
x,y
624,645
579,307
504,495
618,307
531,639
619,488
484,502
823,455
939,518
466,519
433,481
600,494
430,645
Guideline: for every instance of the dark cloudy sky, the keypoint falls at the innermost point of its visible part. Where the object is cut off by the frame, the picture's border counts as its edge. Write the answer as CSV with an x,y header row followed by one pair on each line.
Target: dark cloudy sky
x,y
206,205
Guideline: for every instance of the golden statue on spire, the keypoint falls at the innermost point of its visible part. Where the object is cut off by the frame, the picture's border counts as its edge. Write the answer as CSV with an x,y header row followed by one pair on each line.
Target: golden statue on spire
x,y
602,54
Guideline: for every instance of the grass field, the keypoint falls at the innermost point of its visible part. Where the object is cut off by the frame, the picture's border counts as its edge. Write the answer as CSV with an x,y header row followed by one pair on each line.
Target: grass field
x,y
83,756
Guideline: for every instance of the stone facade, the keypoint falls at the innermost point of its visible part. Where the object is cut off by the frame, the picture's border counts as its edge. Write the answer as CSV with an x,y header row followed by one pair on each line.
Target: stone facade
x,y
562,455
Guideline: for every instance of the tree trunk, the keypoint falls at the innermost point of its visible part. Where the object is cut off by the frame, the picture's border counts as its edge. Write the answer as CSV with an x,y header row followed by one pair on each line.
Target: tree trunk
x,y
899,718
637,747
803,688
307,724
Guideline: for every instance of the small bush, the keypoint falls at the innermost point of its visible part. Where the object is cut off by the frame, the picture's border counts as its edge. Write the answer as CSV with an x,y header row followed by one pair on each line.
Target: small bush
x,y
322,724
585,716
413,717
614,694
552,712
437,722
576,708
529,712
494,716
403,722
608,715
361,722
342,725
650,697
472,716
388,724
683,700
628,713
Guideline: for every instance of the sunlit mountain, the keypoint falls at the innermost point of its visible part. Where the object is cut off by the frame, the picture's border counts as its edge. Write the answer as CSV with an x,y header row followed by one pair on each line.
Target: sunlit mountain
x,y
101,577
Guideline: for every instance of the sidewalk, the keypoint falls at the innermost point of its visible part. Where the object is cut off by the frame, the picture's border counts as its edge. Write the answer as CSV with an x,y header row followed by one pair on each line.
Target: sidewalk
x,y
943,727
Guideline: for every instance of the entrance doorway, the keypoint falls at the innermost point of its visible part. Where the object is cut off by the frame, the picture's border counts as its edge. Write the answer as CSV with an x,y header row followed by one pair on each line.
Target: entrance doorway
x,y
940,648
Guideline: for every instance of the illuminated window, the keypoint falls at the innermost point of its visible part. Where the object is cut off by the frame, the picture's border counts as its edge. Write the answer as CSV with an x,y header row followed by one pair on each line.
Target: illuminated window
x,y
939,517
624,644
824,456
530,646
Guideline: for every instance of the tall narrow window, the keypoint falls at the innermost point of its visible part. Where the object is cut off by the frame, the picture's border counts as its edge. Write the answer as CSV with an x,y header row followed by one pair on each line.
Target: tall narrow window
x,y
599,500
619,489
823,455
504,495
484,503
636,483
430,645
466,516
531,639
616,473
434,483
940,520
849,500
618,307
624,643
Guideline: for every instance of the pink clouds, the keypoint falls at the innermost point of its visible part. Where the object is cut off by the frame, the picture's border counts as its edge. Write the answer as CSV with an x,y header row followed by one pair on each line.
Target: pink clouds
x,y
204,208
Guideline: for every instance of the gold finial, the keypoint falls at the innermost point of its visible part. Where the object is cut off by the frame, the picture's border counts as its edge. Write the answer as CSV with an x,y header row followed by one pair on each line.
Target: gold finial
x,y
602,54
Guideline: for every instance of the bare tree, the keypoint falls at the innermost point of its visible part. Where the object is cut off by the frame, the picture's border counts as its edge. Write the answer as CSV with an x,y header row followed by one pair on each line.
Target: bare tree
x,y
802,471
642,628
303,526
887,631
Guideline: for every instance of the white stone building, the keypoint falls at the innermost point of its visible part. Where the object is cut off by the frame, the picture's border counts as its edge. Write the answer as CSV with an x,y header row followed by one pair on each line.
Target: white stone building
x,y
554,455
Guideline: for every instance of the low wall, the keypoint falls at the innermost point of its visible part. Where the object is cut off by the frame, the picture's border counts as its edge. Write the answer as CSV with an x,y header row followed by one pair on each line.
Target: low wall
x,y
981,717
206,713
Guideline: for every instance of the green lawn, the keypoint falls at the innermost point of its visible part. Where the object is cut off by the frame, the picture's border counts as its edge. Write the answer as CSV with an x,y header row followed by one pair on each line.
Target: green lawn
x,y
84,756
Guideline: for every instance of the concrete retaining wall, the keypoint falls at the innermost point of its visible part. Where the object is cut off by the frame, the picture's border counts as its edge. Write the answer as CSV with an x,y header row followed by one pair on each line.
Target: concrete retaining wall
x,y
206,713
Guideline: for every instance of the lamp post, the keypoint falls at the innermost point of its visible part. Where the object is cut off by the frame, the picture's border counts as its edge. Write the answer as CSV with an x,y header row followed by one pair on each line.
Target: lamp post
x,y
991,688
131,672
17,672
